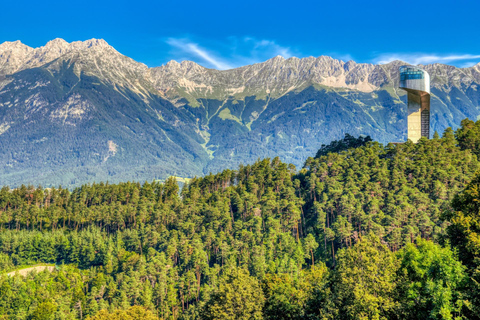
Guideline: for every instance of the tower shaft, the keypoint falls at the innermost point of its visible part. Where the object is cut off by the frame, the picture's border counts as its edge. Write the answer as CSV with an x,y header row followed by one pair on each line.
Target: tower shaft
x,y
418,116
417,84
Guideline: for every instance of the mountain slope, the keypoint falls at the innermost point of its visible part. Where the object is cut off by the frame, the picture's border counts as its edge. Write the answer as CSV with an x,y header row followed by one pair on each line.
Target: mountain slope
x,y
288,107
81,112
90,116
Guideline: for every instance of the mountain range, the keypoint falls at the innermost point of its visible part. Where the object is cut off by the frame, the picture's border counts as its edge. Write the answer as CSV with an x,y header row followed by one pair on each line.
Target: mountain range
x,y
79,112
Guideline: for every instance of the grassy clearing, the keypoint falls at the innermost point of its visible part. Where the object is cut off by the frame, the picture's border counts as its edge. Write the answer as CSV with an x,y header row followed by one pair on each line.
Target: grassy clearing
x,y
24,269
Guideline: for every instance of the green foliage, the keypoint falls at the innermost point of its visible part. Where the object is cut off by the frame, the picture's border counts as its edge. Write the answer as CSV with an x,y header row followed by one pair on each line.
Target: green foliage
x,y
291,296
364,280
147,244
464,234
6,262
348,142
430,282
398,192
238,296
468,136
464,230
263,241
132,313
44,311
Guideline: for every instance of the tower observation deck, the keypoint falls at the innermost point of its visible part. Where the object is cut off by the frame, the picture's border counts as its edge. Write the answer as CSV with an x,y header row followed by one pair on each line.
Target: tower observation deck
x,y
417,84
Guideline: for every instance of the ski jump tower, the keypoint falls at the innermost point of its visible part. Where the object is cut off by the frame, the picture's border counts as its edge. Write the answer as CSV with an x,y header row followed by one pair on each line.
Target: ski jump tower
x,y
417,84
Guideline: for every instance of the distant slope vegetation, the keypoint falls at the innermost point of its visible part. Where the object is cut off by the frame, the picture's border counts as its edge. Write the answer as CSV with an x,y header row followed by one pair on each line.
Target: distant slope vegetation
x,y
70,134
72,113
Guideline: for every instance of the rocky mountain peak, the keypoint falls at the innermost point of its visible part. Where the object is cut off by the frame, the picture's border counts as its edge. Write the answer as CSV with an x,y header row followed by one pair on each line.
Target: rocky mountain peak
x,y
278,58
15,56
190,65
58,42
395,62
96,43
172,64
349,65
95,57
10,45
275,76
173,73
185,66
12,55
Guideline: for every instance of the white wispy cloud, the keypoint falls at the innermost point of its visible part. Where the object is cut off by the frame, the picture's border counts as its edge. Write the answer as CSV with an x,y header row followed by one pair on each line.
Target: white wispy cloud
x,y
344,57
234,52
195,50
468,64
423,58
269,47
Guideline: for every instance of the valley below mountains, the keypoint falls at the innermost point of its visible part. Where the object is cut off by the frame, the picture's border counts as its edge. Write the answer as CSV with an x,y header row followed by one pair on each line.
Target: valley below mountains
x,y
74,113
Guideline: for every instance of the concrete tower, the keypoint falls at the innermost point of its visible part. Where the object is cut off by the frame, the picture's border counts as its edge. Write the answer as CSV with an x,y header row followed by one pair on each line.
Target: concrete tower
x,y
417,84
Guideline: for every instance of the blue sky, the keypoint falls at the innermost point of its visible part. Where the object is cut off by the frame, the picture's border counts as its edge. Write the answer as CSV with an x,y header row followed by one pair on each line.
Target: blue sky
x,y
227,34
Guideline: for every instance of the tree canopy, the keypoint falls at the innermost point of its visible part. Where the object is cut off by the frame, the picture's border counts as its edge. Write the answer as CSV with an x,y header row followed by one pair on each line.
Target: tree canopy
x,y
362,232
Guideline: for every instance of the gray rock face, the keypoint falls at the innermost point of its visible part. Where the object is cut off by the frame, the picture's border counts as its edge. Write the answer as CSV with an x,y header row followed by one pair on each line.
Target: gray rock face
x,y
80,112
282,75
275,77
15,56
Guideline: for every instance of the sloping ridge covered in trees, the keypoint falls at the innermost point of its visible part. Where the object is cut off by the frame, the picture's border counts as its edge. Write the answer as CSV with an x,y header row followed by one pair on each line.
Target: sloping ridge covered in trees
x,y
355,234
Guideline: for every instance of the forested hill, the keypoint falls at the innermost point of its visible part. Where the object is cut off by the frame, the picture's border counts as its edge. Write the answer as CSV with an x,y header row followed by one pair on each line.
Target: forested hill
x,y
340,238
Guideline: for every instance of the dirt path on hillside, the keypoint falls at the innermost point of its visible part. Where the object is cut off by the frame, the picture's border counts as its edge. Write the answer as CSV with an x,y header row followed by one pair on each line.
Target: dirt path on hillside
x,y
24,272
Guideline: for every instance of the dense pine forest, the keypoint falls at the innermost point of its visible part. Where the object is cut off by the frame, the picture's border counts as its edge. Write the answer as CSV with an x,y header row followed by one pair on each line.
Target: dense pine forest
x,y
362,231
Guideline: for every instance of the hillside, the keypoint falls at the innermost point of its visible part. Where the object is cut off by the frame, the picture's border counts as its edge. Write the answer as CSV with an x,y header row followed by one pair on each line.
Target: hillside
x,y
355,234
72,113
